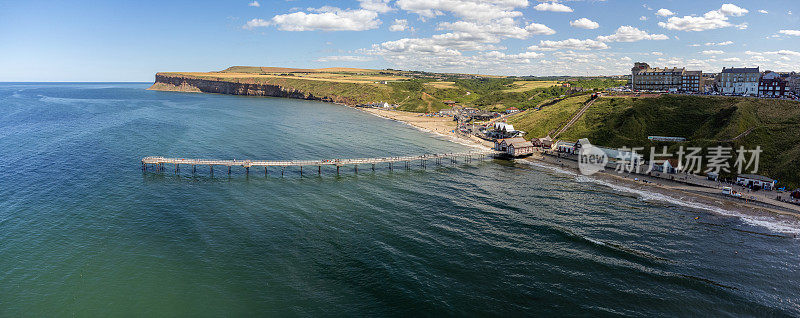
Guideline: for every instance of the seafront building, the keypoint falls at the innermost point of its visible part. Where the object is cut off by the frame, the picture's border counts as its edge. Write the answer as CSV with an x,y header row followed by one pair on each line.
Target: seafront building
x,y
643,77
514,147
739,80
743,81
772,84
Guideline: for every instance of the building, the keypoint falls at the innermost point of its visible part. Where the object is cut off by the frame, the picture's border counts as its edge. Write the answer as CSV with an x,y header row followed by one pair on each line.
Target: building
x,y
772,84
739,81
709,82
755,181
669,166
692,82
645,78
502,130
512,110
792,83
514,147
564,147
546,142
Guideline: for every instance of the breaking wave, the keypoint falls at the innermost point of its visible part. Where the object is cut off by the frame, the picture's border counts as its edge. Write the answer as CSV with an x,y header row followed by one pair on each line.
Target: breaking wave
x,y
770,223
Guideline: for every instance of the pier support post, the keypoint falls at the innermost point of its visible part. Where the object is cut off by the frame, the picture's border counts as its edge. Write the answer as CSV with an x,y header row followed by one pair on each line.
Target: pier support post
x,y
247,171
319,170
390,166
337,170
301,171
265,171
194,169
229,170
356,167
177,168
407,164
373,167
211,169
282,169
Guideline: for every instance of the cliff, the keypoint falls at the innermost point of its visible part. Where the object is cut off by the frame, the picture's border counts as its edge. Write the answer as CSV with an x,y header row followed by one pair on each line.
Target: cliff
x,y
344,93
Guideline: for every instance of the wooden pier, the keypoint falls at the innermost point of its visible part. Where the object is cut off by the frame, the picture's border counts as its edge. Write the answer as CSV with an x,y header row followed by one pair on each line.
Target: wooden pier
x,y
160,163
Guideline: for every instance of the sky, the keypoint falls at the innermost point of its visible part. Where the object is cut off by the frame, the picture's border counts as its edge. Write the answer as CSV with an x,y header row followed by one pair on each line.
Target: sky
x,y
132,40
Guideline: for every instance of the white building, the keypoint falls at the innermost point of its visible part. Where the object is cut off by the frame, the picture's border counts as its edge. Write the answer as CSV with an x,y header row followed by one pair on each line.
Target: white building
x,y
742,80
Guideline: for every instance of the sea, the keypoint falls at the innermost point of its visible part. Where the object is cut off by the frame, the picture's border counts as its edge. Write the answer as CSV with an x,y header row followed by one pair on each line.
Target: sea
x,y
85,232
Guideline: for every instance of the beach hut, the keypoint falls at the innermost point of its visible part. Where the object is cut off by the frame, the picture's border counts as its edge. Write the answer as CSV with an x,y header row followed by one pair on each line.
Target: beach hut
x,y
755,181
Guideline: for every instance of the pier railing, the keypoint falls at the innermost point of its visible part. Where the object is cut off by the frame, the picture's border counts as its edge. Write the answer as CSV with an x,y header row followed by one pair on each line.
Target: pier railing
x,y
158,163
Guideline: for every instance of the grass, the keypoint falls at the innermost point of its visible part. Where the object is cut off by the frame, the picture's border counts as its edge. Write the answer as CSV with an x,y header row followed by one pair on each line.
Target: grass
x,y
706,121
522,86
539,123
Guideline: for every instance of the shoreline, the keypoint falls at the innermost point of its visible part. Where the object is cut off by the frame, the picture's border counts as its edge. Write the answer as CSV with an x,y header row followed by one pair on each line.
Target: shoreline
x,y
781,218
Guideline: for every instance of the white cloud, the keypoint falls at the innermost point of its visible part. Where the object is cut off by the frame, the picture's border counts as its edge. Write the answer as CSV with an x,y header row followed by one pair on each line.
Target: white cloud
x,y
627,33
476,10
552,7
664,12
502,28
790,32
400,25
254,23
763,11
784,53
345,58
254,4
710,20
732,59
643,18
380,6
712,52
719,43
732,10
584,23
656,53
325,19
571,44
540,29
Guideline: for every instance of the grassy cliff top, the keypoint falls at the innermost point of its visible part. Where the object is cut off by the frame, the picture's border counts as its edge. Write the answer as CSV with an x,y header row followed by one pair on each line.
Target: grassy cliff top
x,y
704,121
412,90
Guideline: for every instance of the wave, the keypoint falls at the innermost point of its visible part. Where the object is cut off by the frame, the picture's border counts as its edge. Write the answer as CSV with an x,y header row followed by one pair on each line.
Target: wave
x,y
770,223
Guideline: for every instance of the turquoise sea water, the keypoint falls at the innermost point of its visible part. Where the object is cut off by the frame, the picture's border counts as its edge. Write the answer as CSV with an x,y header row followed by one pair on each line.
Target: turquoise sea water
x,y
84,232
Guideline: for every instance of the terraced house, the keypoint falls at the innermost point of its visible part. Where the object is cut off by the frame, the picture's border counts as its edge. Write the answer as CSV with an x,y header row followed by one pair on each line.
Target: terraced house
x,y
739,80
645,78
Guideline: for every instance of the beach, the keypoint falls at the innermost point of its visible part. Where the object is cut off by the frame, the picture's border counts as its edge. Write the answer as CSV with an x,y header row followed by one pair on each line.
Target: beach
x,y
708,198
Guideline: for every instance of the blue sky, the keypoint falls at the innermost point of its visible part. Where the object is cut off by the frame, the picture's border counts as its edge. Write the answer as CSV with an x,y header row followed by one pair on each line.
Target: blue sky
x,y
131,40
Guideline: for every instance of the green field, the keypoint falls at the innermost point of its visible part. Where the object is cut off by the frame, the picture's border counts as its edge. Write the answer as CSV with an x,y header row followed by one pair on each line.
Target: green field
x,y
704,120
412,91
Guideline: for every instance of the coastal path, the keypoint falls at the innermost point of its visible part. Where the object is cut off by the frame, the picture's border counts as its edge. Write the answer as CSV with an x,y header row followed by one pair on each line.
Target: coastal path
x,y
159,163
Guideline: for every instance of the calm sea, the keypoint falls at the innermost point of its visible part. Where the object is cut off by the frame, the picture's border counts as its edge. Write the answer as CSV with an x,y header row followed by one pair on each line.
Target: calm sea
x,y
84,232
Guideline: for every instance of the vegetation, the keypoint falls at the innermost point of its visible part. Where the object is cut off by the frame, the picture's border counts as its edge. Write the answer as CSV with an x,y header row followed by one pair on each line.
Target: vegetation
x,y
413,90
705,121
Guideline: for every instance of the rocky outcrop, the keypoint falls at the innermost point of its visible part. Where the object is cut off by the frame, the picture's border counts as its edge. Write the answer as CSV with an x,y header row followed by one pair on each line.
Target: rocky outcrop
x,y
183,83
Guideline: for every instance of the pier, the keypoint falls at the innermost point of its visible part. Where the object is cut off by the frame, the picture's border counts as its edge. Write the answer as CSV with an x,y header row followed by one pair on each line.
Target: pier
x,y
160,163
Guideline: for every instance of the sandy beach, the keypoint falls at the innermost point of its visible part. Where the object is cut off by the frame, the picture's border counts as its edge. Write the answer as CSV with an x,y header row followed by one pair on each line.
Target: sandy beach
x,y
707,198
443,126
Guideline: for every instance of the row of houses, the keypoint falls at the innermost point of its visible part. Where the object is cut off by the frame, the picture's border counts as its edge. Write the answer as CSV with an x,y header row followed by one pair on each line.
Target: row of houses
x,y
743,81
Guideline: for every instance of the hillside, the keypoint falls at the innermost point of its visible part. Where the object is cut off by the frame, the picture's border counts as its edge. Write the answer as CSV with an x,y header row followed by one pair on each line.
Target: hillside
x,y
704,120
411,90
